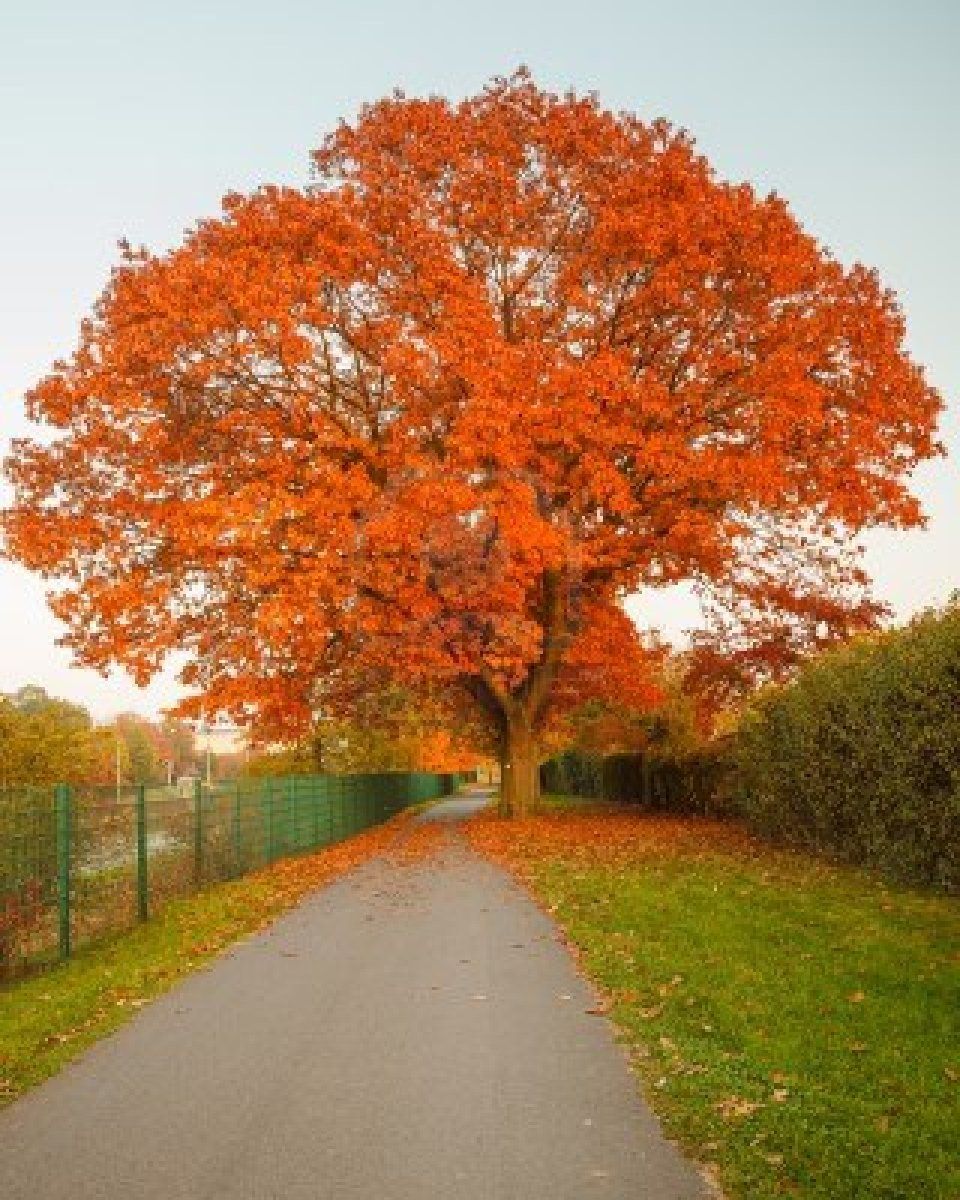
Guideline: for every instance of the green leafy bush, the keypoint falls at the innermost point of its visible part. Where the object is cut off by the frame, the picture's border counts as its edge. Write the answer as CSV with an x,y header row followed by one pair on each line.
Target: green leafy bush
x,y
573,773
860,756
695,782
690,783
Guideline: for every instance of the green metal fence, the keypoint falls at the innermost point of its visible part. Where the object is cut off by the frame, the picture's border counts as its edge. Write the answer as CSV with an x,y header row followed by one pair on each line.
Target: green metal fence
x,y
78,862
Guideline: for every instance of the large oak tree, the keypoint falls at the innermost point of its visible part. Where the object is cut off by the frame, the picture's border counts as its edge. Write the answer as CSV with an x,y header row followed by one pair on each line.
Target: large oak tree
x,y
431,418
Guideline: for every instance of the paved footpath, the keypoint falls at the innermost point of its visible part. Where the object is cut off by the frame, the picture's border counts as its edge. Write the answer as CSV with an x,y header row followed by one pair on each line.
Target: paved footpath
x,y
410,1032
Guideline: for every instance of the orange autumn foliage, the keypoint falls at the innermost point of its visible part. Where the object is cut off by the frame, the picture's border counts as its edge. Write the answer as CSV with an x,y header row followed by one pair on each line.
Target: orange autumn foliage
x,y
430,418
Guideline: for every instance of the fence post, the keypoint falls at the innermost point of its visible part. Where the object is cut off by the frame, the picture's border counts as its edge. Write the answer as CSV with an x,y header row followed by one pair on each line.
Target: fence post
x,y
235,830
197,832
62,802
315,813
141,811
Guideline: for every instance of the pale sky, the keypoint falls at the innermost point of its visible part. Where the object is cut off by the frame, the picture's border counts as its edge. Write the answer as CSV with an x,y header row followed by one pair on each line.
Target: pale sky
x,y
121,119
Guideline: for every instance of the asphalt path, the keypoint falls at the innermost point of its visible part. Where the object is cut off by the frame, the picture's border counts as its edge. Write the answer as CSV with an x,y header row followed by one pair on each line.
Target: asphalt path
x,y
412,1031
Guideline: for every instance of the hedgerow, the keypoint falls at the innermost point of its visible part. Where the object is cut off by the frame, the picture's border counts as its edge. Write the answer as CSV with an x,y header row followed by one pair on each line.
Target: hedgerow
x,y
860,756
694,782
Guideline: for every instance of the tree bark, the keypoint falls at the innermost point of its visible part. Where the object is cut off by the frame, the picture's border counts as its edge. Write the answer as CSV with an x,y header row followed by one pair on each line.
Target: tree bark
x,y
519,715
519,768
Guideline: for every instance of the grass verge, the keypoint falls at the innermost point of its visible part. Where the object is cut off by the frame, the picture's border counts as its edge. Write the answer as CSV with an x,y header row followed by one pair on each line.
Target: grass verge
x,y
50,1019
795,1023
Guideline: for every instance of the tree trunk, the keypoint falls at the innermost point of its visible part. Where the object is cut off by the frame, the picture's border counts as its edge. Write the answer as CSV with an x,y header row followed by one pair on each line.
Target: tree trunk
x,y
519,769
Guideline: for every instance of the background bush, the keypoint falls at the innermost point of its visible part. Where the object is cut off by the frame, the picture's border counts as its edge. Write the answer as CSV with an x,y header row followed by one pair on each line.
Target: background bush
x,y
861,755
573,773
695,782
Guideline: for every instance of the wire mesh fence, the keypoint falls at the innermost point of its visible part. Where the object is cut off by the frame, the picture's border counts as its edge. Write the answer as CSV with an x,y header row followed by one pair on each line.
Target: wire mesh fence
x,y
79,862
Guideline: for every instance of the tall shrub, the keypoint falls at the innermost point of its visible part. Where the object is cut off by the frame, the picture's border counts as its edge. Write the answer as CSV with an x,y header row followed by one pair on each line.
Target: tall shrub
x,y
861,755
695,782
573,774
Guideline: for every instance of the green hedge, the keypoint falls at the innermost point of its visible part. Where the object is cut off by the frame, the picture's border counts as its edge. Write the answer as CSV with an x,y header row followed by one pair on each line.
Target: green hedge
x,y
859,758
573,774
694,783
861,755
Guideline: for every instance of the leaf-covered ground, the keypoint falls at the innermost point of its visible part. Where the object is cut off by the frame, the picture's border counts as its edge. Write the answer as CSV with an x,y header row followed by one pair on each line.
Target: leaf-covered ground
x,y
47,1021
795,1024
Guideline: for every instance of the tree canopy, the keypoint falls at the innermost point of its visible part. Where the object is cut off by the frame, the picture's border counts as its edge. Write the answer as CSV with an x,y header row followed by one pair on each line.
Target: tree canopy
x,y
430,418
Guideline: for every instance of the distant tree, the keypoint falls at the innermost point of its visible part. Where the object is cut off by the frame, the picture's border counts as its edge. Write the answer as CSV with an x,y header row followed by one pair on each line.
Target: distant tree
x,y
143,745
178,745
289,760
390,729
30,699
506,361
44,740
675,726
8,737
107,758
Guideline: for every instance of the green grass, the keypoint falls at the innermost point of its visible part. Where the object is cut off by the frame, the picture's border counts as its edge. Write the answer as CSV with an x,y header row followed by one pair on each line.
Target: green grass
x,y
826,999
